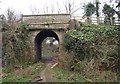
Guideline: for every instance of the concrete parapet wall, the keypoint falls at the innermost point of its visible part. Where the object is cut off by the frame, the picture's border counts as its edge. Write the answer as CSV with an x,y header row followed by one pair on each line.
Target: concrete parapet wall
x,y
46,18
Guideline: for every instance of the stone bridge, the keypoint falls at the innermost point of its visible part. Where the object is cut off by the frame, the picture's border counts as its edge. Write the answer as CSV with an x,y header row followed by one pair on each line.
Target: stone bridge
x,y
43,26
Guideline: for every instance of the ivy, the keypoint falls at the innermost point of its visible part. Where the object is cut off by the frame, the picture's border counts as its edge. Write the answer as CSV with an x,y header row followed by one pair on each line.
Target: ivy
x,y
16,46
90,39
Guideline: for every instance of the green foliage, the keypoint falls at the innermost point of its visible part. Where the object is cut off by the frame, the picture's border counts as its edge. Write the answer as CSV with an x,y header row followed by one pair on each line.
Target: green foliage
x,y
89,9
24,75
29,73
76,41
91,40
109,11
16,46
67,76
95,49
21,27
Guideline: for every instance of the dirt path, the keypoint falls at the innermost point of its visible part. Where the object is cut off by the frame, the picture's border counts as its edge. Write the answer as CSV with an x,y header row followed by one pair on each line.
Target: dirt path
x,y
47,74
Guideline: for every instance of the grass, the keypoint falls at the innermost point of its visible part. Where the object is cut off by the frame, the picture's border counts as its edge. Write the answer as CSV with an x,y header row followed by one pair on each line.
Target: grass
x,y
24,75
67,76
30,72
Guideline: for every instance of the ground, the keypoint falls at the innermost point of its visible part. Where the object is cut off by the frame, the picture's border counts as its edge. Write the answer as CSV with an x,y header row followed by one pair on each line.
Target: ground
x,y
42,72
47,70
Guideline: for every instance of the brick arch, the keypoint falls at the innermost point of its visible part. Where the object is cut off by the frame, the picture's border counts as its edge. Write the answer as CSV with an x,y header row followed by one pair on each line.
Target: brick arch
x,y
39,39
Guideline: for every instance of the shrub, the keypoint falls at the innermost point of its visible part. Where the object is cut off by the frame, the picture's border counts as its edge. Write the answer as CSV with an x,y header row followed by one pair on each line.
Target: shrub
x,y
16,47
93,41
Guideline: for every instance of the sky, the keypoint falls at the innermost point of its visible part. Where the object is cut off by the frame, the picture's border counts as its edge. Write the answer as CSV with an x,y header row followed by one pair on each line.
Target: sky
x,y
42,6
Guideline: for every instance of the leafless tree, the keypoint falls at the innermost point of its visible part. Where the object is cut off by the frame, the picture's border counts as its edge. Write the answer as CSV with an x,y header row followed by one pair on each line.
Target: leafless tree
x,y
12,17
46,9
35,10
71,7
52,8
59,10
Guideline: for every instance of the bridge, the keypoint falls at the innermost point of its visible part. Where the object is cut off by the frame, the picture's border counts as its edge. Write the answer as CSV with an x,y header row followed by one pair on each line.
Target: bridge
x,y
43,26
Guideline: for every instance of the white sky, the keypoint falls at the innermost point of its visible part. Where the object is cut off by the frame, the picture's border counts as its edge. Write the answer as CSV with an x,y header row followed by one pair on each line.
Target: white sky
x,y
25,6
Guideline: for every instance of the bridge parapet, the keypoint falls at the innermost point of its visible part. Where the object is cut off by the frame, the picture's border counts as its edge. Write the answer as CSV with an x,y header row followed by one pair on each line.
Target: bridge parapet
x,y
47,20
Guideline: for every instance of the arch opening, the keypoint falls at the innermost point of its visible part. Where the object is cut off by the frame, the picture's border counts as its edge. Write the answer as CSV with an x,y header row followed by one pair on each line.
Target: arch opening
x,y
40,38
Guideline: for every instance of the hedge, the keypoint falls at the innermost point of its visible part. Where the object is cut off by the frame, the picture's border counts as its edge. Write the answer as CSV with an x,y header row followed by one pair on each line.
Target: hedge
x,y
92,40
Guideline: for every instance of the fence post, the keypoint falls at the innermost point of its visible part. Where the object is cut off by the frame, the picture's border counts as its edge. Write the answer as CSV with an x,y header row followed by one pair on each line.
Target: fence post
x,y
111,20
98,20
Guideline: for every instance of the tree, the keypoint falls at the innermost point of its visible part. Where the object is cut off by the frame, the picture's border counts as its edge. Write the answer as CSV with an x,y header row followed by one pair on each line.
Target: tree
x,y
118,12
34,10
70,7
89,10
59,10
12,18
97,11
10,15
109,13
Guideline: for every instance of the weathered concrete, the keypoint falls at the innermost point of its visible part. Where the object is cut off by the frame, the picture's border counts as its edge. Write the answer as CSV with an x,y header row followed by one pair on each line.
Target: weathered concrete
x,y
43,26
47,20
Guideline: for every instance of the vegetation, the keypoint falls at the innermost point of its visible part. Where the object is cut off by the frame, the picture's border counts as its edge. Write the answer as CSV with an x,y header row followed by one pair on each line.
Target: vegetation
x,y
15,42
95,48
97,8
23,75
29,73
94,55
63,75
97,11
91,51
109,11
89,10
90,36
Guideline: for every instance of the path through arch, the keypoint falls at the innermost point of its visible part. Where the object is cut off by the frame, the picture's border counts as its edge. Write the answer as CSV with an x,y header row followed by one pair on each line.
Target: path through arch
x,y
39,39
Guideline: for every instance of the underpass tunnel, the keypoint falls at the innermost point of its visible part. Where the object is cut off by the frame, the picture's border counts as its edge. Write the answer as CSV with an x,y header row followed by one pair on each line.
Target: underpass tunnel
x,y
39,39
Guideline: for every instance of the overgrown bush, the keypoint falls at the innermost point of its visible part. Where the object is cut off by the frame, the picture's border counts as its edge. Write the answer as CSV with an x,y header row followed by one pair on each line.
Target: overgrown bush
x,y
93,41
16,47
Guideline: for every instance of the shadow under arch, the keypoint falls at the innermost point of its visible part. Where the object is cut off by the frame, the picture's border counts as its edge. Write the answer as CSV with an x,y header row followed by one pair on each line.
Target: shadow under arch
x,y
39,39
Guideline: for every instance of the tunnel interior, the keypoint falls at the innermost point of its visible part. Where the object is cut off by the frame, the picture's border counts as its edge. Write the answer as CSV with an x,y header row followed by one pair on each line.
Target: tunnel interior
x,y
39,39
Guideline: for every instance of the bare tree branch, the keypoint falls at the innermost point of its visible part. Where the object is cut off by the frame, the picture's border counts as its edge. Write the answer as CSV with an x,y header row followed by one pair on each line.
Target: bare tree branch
x,y
70,7
75,10
59,10
34,10
12,17
52,8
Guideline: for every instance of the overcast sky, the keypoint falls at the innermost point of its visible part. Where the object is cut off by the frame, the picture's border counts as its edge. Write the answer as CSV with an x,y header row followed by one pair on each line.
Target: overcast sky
x,y
25,6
